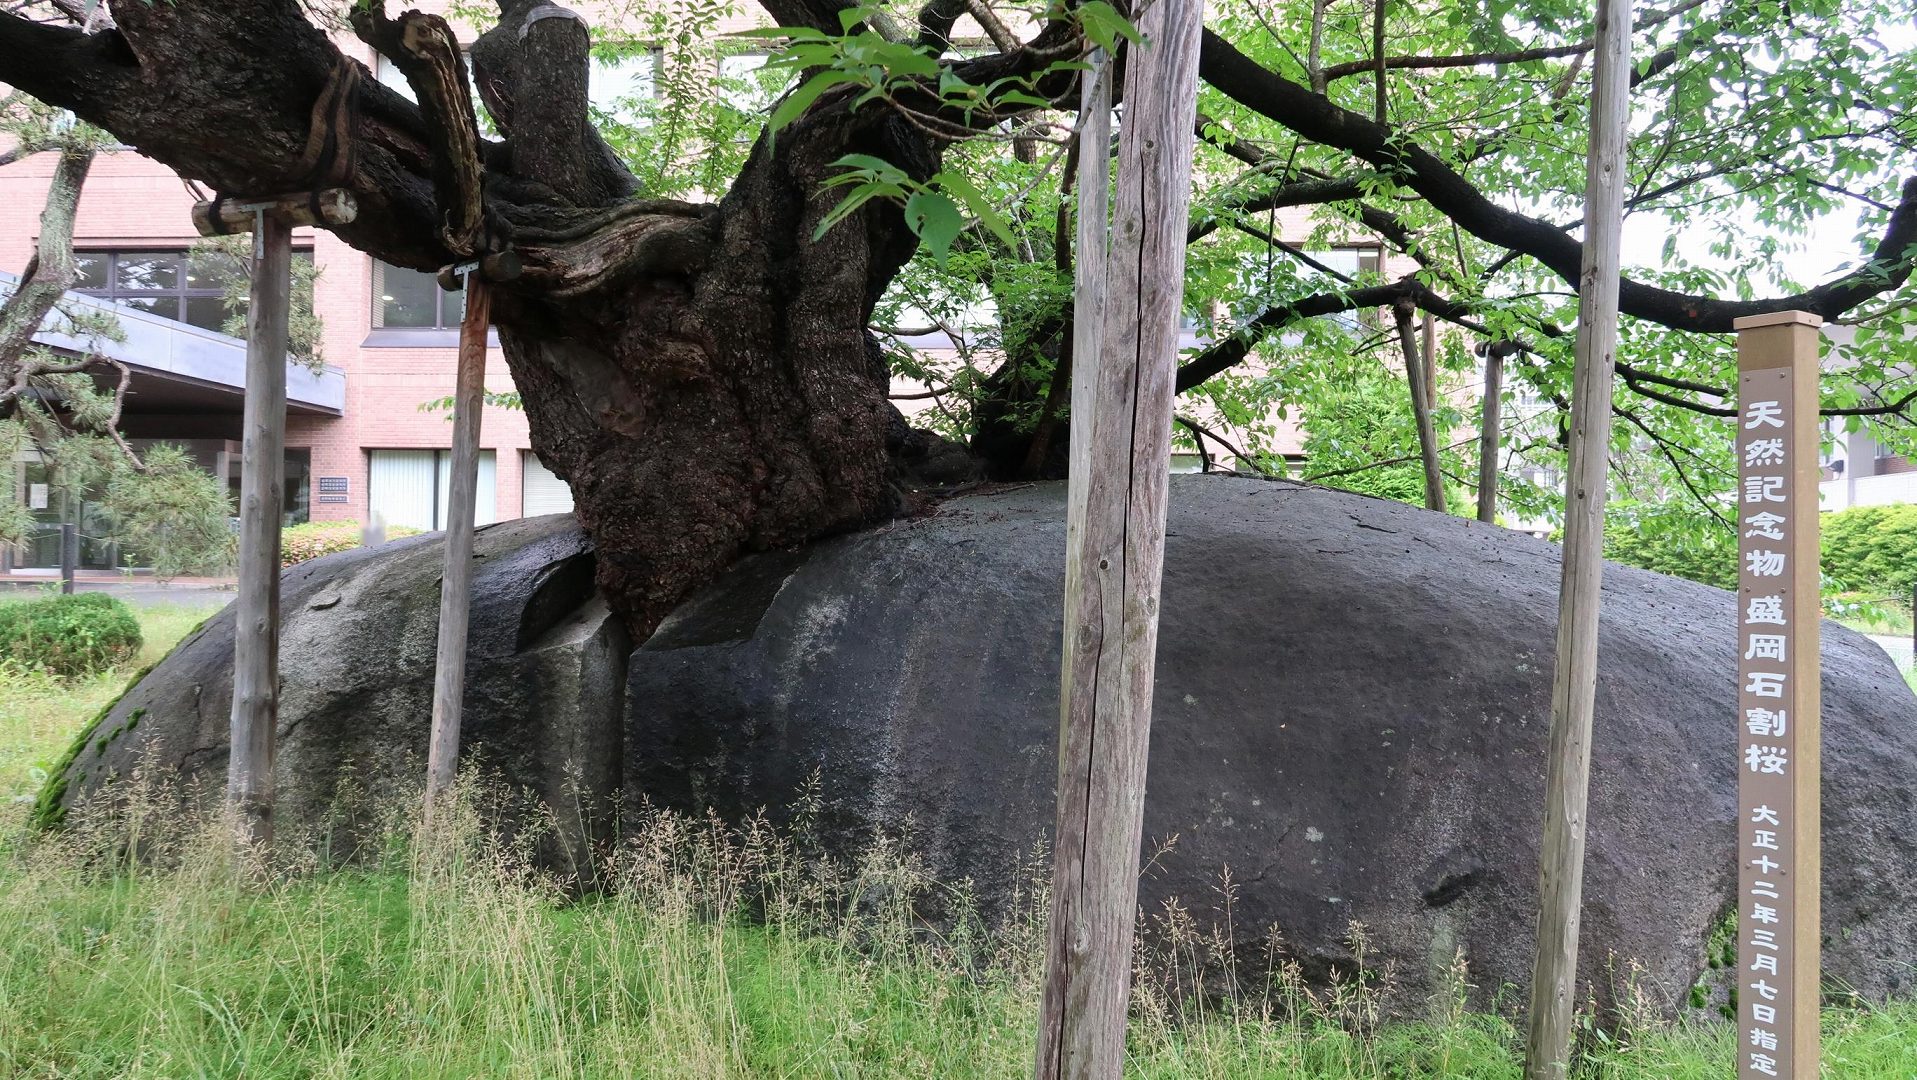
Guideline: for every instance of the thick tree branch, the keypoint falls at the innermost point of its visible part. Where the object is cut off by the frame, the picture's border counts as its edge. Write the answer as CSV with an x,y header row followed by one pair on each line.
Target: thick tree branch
x,y
53,268
1490,59
1319,120
532,73
1300,193
427,53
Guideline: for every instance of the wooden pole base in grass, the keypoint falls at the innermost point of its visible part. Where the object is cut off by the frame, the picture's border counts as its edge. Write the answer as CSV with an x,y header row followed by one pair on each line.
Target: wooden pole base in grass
x,y
456,582
1122,386
256,638
1554,978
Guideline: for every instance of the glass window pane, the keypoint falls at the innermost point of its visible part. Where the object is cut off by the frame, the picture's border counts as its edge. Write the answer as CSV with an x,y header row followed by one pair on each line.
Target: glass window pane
x,y
146,271
452,305
208,312
403,298
390,75
212,271
167,307
623,85
747,85
92,269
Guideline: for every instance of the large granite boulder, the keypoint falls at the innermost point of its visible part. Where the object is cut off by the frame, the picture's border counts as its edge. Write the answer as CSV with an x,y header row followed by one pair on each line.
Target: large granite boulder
x,y
545,661
1351,712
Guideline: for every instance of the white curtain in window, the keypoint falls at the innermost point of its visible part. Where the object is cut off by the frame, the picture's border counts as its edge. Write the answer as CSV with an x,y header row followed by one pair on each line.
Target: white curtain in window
x,y
485,501
541,492
401,488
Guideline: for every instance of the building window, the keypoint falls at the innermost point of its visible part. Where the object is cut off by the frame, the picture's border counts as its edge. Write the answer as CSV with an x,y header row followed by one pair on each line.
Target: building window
x,y
624,84
541,491
746,84
1350,261
199,288
412,300
412,487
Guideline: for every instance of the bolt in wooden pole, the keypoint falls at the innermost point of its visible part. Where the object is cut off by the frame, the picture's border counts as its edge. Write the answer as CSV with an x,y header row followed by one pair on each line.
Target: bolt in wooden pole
x,y
1574,687
1120,468
1779,611
1488,434
456,582
256,639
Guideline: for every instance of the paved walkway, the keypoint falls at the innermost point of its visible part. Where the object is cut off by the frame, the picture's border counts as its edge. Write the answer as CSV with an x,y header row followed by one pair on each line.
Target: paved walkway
x,y
205,593
1898,647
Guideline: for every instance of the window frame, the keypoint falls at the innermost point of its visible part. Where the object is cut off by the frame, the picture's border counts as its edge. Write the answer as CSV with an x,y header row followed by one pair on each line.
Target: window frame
x,y
181,293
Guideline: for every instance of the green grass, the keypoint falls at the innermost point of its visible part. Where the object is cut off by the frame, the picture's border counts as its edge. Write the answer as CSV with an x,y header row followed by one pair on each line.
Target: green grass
x,y
455,960
40,714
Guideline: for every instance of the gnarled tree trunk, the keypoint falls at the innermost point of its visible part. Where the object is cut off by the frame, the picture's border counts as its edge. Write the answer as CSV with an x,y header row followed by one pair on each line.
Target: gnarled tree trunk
x,y
700,374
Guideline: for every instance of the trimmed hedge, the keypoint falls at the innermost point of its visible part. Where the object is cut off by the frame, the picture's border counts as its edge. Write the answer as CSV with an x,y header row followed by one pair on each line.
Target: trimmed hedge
x,y
1872,549
1867,550
299,543
1709,557
68,636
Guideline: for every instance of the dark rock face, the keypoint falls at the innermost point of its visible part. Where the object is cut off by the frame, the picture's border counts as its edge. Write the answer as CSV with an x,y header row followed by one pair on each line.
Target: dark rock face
x,y
1352,709
1351,714
545,663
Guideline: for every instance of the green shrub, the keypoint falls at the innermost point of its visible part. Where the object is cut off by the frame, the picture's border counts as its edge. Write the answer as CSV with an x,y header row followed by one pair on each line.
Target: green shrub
x,y
68,635
299,543
1674,545
173,515
1872,549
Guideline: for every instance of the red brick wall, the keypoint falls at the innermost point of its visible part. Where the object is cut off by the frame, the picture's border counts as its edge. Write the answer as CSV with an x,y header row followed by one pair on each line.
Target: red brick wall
x,y
130,200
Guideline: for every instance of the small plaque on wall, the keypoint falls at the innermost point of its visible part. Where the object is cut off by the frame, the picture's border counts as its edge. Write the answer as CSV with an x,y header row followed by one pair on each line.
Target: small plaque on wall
x,y
332,498
334,485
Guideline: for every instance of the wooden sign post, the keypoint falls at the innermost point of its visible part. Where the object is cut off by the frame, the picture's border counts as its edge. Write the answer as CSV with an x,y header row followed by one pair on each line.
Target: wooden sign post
x,y
1115,534
256,635
1779,607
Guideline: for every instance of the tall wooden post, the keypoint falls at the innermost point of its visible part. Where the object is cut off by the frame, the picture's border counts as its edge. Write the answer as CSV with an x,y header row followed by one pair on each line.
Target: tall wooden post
x,y
1120,469
1779,609
256,636
1574,687
256,639
1428,341
1417,370
1489,432
456,581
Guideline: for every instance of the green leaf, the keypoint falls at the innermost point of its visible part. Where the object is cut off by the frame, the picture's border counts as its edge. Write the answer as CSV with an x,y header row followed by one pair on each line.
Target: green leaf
x,y
804,95
936,220
976,202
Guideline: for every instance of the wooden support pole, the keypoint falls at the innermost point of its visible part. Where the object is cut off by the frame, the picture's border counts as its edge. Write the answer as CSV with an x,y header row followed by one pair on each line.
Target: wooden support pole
x,y
456,581
1417,373
1428,341
1115,529
1779,610
256,638
1574,686
1490,433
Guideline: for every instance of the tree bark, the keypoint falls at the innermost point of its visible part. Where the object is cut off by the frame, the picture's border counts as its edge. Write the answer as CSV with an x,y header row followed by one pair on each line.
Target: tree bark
x,y
47,276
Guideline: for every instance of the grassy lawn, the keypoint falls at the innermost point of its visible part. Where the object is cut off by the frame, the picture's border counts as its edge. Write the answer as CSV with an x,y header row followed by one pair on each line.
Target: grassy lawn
x,y
39,715
455,960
